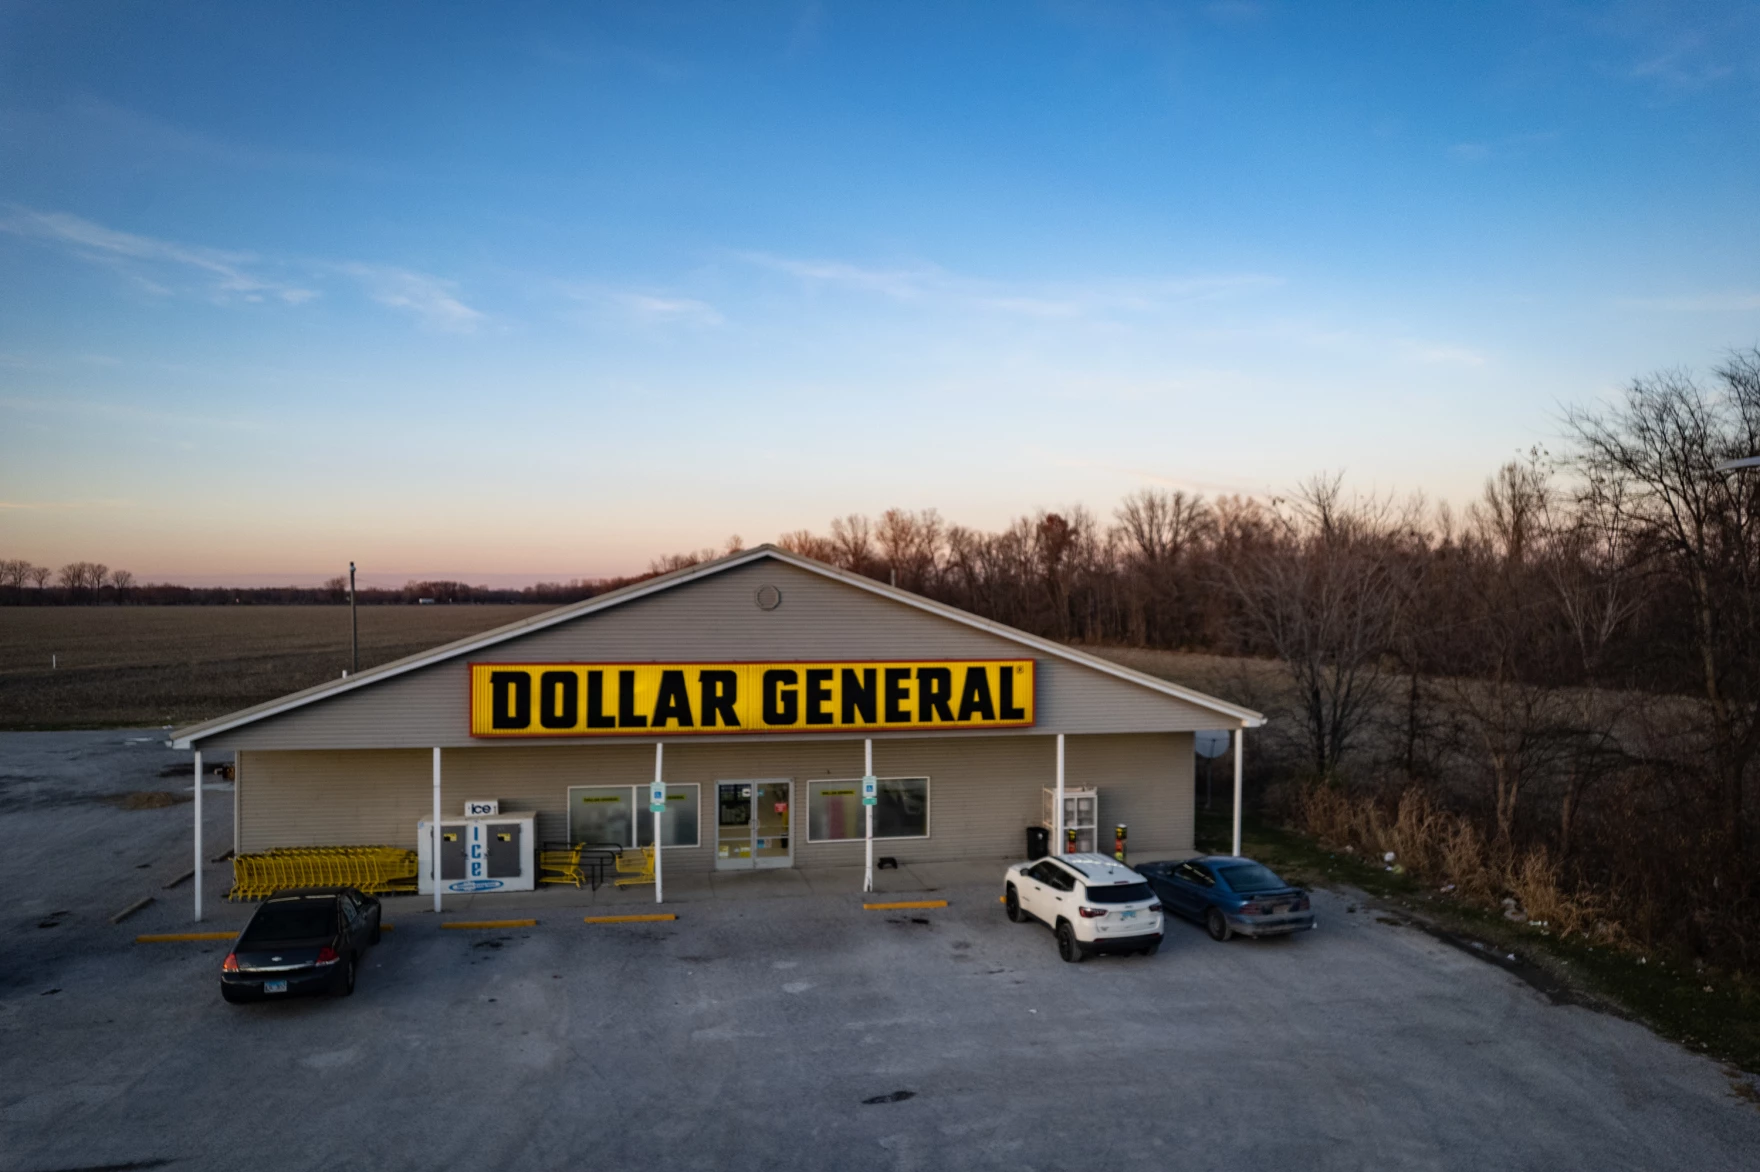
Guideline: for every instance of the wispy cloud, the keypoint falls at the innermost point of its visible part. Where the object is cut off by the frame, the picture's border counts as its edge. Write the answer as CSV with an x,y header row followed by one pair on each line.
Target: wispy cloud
x,y
904,284
1510,144
1733,302
91,124
1050,299
225,274
122,413
166,268
431,299
643,307
1442,354
1689,64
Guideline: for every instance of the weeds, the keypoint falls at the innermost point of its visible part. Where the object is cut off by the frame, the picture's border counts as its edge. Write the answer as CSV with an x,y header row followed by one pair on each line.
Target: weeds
x,y
1444,848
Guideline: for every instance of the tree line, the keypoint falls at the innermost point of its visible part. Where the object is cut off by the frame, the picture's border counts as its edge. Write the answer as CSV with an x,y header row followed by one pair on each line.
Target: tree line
x,y
94,584
1572,661
75,582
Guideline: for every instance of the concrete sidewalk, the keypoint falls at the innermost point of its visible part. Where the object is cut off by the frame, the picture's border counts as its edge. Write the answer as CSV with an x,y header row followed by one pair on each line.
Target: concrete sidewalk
x,y
778,883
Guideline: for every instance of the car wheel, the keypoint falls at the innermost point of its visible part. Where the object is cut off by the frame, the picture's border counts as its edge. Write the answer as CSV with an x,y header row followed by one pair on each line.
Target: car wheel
x,y
347,985
1151,948
1217,923
1013,902
1068,946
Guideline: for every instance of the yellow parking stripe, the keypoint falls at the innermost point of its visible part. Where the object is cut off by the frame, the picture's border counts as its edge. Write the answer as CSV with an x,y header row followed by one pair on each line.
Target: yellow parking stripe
x,y
179,937
471,925
647,919
915,903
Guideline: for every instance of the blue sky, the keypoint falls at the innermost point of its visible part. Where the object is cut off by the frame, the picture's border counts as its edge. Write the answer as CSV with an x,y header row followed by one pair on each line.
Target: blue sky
x,y
512,291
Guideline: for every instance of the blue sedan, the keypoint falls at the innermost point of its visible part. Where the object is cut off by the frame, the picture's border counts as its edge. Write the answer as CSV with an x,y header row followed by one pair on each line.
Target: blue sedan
x,y
1230,895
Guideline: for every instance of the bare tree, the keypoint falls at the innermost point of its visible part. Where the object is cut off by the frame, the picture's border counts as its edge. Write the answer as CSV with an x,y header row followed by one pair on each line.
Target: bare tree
x,y
1156,529
1594,569
680,561
808,545
39,577
12,573
1502,690
852,543
1326,599
910,547
123,581
72,577
1657,453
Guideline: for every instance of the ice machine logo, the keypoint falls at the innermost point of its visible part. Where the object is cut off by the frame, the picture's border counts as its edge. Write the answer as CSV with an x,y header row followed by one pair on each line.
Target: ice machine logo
x,y
474,885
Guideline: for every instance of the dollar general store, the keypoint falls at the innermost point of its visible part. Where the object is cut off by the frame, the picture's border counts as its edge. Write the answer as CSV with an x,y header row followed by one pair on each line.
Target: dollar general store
x,y
762,687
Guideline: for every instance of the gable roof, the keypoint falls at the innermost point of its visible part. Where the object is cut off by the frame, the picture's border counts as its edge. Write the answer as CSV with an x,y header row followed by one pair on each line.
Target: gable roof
x,y
186,738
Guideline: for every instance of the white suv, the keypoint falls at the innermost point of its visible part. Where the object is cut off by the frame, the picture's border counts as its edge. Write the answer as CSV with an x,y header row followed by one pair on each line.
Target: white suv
x,y
1092,903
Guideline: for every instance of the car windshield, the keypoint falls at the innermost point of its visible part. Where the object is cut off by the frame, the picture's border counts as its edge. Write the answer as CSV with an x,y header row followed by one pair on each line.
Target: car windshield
x,y
292,919
1119,893
1247,878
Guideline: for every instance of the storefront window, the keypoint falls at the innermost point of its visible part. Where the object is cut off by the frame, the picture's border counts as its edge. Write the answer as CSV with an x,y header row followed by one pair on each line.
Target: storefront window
x,y
835,811
680,824
618,815
601,814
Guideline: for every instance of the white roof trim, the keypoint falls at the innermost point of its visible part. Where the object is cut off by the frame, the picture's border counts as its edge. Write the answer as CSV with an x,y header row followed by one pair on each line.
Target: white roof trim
x,y
185,738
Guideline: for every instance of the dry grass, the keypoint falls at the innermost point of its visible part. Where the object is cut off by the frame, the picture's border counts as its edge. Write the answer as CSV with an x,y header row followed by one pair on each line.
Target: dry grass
x,y
1442,847
136,666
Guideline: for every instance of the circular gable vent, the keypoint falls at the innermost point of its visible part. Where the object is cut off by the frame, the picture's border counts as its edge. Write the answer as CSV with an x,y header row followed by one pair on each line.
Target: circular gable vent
x,y
767,597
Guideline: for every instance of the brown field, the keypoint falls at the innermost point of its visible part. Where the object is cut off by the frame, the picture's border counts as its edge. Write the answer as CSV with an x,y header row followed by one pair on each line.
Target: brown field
x,y
139,666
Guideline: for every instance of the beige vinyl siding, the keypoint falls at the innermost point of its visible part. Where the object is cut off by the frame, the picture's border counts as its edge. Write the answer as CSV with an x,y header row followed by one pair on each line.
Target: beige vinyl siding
x,y
713,619
984,791
345,798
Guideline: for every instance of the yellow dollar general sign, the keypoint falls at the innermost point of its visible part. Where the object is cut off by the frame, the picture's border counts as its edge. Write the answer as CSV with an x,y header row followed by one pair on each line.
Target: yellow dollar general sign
x,y
642,699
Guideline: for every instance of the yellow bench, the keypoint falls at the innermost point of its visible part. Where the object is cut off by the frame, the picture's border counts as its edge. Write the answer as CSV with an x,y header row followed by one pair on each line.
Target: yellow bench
x,y
635,871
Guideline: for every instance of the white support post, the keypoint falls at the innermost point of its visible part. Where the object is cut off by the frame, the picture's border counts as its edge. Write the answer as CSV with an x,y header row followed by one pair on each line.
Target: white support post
x,y
434,829
1240,737
198,875
868,811
1057,817
659,853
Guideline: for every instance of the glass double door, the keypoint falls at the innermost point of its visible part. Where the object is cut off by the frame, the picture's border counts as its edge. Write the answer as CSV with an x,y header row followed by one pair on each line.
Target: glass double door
x,y
754,824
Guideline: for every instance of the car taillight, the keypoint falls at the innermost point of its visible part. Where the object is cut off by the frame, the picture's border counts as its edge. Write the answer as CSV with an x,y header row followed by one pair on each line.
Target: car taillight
x,y
1302,904
1091,913
230,964
327,955
1154,907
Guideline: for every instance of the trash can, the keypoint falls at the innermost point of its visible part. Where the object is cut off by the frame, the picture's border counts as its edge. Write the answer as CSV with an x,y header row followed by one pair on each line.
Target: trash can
x,y
1038,842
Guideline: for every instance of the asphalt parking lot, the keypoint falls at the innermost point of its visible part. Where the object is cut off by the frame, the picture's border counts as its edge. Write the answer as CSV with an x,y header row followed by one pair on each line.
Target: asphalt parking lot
x,y
778,1031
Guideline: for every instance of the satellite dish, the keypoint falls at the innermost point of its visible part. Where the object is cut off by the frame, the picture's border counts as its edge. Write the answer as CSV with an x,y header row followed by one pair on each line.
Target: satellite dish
x,y
1210,743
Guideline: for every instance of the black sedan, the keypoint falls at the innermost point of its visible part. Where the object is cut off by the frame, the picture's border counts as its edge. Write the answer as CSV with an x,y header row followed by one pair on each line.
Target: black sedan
x,y
307,941
1230,895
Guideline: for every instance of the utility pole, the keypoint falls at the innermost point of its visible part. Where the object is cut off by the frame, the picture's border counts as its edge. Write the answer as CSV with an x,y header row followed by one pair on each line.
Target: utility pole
x,y
354,629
